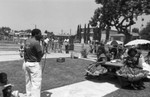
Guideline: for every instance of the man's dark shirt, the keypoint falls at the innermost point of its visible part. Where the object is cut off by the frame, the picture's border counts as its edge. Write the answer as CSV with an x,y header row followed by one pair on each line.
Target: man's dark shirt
x,y
32,51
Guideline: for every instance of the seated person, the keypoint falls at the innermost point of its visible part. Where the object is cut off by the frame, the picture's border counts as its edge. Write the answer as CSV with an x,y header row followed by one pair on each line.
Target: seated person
x,y
109,56
148,57
120,51
114,51
21,51
133,69
95,69
145,66
102,58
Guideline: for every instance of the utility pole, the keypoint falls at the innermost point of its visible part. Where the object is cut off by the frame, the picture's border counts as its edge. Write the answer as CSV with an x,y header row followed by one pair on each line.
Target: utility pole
x,y
70,31
62,32
35,26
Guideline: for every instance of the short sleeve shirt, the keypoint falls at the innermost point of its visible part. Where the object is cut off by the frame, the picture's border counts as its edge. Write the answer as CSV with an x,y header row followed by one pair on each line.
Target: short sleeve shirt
x,y
31,51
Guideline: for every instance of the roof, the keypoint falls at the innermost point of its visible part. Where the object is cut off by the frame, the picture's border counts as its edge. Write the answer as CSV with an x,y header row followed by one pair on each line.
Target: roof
x,y
116,34
44,34
111,32
133,34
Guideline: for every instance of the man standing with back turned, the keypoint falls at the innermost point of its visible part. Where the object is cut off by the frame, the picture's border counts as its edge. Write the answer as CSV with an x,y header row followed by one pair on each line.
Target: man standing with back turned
x,y
33,52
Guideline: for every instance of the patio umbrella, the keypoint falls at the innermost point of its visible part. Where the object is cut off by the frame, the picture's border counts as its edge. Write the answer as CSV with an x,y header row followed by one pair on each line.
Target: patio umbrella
x,y
137,41
114,42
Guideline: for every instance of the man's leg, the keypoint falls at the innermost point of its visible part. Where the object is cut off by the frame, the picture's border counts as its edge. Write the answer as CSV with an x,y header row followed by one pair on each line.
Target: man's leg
x,y
28,80
47,49
28,84
36,78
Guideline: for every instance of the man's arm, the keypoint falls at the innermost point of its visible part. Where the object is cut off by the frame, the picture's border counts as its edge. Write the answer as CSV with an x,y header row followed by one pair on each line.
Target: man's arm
x,y
39,49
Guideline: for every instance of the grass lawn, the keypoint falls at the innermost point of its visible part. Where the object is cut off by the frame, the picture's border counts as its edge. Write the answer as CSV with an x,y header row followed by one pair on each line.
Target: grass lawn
x,y
55,74
9,47
60,74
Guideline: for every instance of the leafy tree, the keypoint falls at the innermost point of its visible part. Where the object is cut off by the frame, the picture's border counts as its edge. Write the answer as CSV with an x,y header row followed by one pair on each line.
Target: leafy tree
x,y
79,33
97,34
5,32
96,22
1,31
80,30
28,31
120,14
135,30
88,32
145,32
85,36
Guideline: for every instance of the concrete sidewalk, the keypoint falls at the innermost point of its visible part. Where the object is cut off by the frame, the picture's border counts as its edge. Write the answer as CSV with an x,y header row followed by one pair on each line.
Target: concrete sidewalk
x,y
14,55
83,89
80,89
9,53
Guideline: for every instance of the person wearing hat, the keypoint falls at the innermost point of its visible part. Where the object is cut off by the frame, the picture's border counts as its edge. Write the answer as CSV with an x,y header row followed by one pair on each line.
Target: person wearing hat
x,y
33,53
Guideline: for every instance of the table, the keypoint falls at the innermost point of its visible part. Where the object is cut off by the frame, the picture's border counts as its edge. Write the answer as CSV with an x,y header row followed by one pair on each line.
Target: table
x,y
115,64
112,67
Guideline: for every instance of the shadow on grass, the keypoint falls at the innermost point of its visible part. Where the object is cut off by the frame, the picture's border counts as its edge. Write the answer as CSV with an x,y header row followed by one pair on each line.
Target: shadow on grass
x,y
104,78
111,79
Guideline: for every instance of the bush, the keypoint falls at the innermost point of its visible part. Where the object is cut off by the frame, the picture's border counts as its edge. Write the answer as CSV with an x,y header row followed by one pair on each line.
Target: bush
x,y
84,53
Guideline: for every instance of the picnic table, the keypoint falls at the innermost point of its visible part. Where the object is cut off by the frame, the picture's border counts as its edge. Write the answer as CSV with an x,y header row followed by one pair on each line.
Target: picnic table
x,y
112,67
114,64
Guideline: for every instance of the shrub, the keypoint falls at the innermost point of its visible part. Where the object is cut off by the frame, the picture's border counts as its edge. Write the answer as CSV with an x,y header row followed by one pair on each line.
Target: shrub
x,y
84,53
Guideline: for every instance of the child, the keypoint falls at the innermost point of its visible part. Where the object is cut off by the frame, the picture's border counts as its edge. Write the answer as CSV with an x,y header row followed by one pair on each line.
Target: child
x,y
5,88
21,50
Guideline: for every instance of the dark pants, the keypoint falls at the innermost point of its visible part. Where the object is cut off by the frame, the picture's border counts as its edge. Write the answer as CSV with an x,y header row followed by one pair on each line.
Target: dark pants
x,y
67,48
46,47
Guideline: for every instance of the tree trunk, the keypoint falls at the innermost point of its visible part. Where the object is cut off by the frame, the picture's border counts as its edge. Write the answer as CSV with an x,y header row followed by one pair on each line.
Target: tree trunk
x,y
128,37
107,34
99,34
85,36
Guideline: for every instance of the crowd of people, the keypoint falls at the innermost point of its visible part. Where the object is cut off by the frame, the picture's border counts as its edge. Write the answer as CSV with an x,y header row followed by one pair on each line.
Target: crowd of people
x,y
52,45
134,70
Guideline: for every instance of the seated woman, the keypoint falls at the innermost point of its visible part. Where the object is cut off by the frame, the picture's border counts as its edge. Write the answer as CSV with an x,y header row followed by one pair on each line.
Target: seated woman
x,y
144,65
148,58
95,69
133,70
114,51
21,51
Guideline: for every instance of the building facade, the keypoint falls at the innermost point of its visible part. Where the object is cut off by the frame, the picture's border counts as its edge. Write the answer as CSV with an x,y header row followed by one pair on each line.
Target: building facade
x,y
113,35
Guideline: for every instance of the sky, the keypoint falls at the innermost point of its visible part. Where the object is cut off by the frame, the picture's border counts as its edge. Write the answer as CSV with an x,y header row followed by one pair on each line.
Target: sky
x,y
51,15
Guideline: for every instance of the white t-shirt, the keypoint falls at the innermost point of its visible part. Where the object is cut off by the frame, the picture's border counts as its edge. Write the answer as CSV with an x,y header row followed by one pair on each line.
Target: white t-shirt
x,y
46,40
